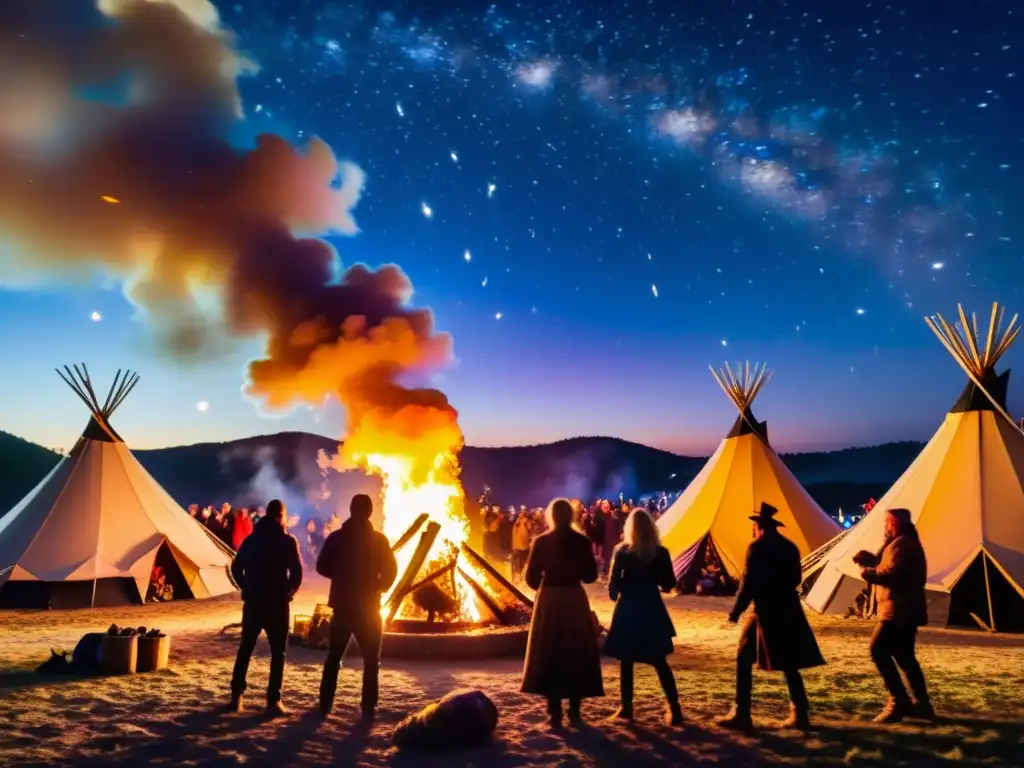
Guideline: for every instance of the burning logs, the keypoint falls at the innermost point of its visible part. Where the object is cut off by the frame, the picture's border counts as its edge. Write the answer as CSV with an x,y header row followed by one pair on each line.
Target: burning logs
x,y
496,575
419,557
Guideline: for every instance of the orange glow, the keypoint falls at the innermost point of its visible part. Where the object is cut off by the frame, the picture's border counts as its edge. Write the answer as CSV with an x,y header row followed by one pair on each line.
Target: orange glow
x,y
109,199
419,469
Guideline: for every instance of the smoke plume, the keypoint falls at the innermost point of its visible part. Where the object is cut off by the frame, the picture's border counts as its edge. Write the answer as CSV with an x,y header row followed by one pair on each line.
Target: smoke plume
x,y
113,121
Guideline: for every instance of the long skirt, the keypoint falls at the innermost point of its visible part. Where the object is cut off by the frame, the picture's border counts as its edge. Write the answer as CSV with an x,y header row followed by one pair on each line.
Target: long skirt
x,y
563,660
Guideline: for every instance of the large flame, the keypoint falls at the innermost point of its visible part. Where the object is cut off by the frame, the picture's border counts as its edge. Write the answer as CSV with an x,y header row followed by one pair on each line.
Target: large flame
x,y
414,451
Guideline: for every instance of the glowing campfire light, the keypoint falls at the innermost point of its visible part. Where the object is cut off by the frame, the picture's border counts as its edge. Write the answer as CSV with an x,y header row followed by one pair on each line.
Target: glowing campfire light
x,y
439,495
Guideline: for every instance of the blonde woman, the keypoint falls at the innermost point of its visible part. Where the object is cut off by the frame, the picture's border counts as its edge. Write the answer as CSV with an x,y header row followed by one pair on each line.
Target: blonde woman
x,y
563,661
641,629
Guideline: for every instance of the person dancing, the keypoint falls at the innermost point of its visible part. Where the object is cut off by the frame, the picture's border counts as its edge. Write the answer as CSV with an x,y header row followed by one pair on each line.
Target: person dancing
x,y
776,636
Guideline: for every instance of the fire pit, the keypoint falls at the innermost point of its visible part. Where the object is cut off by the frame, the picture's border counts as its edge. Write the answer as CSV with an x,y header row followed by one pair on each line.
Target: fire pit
x,y
448,602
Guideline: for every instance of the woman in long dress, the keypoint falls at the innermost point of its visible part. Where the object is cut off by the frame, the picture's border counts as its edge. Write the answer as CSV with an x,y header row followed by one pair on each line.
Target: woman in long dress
x,y
562,656
641,630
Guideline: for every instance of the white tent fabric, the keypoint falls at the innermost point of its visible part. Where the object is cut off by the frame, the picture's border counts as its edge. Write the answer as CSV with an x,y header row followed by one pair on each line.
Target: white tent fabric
x,y
99,514
964,494
744,472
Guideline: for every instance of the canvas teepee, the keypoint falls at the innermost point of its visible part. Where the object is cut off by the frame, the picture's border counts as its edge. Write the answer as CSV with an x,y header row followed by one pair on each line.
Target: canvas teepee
x,y
709,521
91,531
964,494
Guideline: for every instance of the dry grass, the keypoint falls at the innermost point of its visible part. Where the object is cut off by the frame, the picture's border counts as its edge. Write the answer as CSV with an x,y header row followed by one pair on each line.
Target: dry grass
x,y
170,718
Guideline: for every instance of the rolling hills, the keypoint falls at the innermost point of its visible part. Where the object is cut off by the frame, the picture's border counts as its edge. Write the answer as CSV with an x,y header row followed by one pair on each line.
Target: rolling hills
x,y
252,470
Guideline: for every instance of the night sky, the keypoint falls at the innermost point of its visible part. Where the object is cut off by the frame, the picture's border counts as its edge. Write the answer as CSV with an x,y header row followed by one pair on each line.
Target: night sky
x,y
598,200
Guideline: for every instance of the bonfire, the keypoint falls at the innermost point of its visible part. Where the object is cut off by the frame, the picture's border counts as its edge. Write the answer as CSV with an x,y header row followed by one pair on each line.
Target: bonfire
x,y
443,584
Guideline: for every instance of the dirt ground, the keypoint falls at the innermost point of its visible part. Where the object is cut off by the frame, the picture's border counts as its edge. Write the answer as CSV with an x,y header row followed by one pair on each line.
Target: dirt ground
x,y
171,718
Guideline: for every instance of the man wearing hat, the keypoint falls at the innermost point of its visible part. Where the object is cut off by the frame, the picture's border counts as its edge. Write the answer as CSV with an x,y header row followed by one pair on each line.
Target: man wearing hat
x,y
777,635
899,574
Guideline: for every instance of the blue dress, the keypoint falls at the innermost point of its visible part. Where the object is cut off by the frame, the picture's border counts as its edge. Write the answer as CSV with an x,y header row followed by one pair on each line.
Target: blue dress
x,y
641,629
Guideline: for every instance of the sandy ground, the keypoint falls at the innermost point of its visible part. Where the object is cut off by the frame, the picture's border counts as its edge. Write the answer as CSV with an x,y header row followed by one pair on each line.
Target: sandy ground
x,y
171,718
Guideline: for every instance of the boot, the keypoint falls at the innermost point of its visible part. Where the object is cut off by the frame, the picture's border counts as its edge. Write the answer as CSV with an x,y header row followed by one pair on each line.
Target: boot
x,y
575,716
798,720
235,704
554,713
673,714
925,711
893,712
736,721
276,709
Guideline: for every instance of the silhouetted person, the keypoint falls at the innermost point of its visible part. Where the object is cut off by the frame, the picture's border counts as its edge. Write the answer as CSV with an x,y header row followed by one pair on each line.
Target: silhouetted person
x,y
361,566
562,656
776,636
268,570
641,629
898,575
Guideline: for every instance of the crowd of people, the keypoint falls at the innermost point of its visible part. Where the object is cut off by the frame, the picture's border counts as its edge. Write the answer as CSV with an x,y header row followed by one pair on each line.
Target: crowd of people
x,y
563,658
508,534
228,524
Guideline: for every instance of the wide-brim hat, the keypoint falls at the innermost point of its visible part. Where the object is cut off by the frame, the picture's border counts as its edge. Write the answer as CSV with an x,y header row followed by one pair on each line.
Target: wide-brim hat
x,y
766,516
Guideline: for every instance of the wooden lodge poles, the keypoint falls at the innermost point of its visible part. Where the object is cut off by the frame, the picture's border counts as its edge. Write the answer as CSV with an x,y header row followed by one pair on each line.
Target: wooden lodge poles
x,y
961,341
496,575
419,557
408,583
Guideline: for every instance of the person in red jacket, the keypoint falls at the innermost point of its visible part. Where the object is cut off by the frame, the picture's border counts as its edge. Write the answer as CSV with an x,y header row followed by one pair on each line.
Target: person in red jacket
x,y
242,528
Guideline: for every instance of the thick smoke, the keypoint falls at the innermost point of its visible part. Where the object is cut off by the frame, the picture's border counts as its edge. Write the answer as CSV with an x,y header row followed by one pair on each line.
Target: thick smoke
x,y
112,143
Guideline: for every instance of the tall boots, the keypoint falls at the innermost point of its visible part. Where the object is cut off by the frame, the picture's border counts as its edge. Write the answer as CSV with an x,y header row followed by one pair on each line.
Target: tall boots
x,y
673,712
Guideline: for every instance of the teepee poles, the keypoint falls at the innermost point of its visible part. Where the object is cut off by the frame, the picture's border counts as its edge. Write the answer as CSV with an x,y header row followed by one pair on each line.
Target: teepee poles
x,y
961,341
742,385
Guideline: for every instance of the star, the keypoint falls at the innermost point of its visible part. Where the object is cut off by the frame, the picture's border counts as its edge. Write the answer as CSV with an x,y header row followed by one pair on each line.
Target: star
x,y
490,190
654,290
860,310
428,212
467,256
95,317
454,157
398,109
498,315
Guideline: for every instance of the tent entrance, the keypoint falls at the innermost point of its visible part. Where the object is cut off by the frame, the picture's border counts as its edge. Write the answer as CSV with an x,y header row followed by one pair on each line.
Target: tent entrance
x,y
167,581
700,571
984,597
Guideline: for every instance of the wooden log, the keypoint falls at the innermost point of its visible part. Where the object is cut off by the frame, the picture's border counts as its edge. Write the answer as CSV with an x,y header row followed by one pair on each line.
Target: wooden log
x,y
479,560
419,557
434,576
485,598
404,538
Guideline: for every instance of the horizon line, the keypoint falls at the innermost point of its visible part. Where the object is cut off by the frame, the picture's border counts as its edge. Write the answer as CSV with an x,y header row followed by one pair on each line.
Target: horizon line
x,y
485,446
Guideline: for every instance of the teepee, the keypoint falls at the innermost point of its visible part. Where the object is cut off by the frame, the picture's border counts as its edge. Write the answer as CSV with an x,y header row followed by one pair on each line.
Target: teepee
x,y
964,494
709,522
91,531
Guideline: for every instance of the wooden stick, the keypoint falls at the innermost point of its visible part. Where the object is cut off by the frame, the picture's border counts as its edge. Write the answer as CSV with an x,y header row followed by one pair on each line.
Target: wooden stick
x,y
88,384
485,598
110,392
988,592
972,342
497,575
416,524
992,328
75,389
435,575
965,365
418,558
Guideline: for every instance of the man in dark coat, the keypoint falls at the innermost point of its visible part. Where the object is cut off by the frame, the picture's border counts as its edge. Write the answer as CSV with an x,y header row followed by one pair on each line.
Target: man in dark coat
x,y
777,635
268,570
361,566
898,575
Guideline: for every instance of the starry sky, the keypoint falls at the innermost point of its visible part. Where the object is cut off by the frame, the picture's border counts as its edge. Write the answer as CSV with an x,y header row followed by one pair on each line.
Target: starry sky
x,y
598,200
